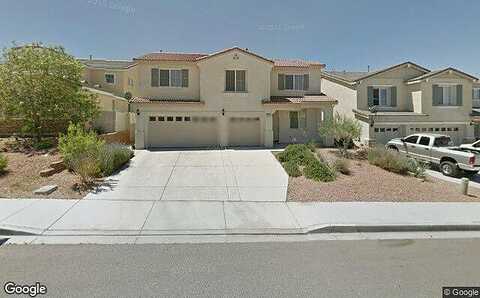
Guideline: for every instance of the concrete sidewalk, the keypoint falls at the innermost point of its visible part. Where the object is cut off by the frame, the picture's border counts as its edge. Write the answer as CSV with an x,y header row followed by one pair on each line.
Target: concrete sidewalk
x,y
147,218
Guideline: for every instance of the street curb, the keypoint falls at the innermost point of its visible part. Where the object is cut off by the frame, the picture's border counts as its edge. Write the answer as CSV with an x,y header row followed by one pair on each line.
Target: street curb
x,y
318,229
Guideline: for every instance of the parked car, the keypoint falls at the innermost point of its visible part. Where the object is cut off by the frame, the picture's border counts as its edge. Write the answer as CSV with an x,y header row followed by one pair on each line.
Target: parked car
x,y
439,150
473,146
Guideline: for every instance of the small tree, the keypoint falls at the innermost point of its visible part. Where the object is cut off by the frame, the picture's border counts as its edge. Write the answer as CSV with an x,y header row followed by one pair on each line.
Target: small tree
x,y
39,84
342,128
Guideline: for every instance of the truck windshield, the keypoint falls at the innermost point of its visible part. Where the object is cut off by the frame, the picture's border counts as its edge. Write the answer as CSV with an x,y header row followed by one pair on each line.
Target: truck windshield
x,y
442,142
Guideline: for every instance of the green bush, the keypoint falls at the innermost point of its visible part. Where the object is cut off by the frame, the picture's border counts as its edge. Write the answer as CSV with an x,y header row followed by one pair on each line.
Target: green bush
x,y
292,169
43,144
113,156
296,153
388,160
78,143
342,165
417,168
318,171
312,145
3,163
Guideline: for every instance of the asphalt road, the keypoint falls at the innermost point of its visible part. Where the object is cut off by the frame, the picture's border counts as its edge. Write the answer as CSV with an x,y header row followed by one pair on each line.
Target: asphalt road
x,y
367,268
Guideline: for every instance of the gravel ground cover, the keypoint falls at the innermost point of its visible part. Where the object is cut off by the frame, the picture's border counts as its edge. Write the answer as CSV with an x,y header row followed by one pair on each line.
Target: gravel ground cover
x,y
370,183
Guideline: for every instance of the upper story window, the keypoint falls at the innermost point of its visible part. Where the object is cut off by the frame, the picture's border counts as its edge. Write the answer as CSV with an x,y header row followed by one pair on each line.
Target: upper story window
x,y
110,78
130,82
169,77
235,81
293,82
383,96
447,95
476,98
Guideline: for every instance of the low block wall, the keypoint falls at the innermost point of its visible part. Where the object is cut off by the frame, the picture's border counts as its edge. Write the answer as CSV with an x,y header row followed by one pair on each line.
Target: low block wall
x,y
10,127
122,137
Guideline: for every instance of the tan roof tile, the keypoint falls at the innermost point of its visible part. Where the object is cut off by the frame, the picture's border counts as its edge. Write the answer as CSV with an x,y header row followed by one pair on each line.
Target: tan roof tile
x,y
166,56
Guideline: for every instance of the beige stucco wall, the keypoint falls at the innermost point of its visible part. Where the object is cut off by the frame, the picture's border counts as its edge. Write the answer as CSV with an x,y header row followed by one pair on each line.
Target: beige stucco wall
x,y
97,77
315,76
212,82
447,113
345,95
395,77
141,75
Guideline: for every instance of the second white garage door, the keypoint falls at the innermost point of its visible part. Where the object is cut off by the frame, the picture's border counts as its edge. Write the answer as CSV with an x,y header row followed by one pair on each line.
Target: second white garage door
x,y
244,131
182,131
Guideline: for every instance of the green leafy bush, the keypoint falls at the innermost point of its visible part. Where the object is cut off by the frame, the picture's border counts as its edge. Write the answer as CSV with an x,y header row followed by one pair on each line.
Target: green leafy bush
x,y
43,144
292,169
3,163
113,156
388,160
297,153
417,168
312,145
342,165
77,144
318,171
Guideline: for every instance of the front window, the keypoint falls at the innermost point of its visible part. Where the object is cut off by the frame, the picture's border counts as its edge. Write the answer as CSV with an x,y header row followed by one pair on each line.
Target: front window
x,y
425,141
235,81
449,93
476,97
169,78
298,119
382,96
110,78
293,120
294,82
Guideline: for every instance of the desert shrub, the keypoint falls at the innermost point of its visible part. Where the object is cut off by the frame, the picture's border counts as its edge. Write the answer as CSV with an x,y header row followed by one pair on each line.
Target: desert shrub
x,y
113,156
361,153
342,165
292,169
417,168
77,144
3,163
388,160
87,167
297,153
318,171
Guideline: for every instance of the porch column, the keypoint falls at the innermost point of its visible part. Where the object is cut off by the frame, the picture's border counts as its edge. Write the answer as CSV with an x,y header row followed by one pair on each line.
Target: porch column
x,y
268,132
140,131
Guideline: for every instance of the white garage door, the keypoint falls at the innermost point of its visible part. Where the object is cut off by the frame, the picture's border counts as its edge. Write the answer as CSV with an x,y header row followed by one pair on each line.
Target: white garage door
x,y
385,134
244,131
455,132
182,131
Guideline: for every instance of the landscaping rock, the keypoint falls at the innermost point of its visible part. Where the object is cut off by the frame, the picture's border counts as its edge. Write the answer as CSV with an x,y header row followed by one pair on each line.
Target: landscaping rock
x,y
48,172
58,165
46,190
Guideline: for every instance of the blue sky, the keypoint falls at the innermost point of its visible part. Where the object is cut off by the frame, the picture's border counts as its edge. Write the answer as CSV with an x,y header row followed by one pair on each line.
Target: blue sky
x,y
343,34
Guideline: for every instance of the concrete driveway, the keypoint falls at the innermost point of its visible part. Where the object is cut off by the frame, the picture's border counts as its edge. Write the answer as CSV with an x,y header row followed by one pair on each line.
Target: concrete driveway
x,y
218,175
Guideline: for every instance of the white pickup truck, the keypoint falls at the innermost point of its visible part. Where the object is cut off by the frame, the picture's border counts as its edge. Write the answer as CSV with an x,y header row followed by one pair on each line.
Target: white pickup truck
x,y
438,149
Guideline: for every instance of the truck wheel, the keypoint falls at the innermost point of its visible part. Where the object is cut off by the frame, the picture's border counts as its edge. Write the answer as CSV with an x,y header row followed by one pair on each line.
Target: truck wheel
x,y
392,148
448,168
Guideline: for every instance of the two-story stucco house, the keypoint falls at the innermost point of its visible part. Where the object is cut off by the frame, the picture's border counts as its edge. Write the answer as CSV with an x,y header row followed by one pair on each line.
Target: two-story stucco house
x,y
404,99
233,97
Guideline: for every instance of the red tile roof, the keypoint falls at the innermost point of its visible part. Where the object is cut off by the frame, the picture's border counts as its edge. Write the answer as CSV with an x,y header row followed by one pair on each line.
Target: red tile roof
x,y
166,56
296,63
164,100
300,99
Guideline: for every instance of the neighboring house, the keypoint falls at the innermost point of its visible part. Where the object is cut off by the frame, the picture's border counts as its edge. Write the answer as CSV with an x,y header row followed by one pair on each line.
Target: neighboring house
x,y
230,98
404,99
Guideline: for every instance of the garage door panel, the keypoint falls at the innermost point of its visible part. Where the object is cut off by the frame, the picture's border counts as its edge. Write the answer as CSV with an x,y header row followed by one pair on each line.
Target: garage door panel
x,y
200,132
244,131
